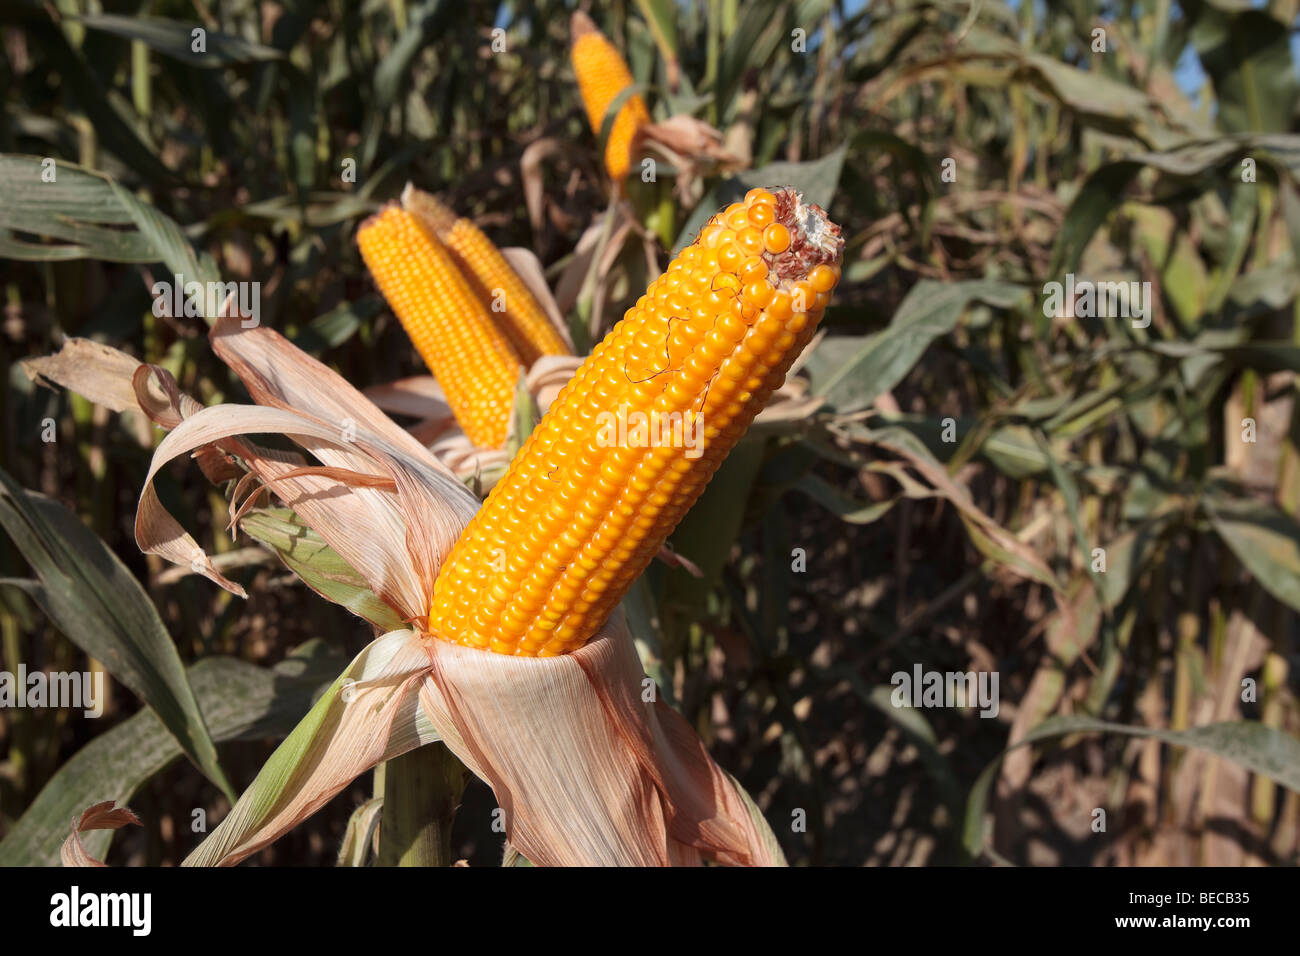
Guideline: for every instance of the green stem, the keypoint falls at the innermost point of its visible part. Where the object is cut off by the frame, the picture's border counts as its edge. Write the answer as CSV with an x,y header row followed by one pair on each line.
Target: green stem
x,y
140,91
422,791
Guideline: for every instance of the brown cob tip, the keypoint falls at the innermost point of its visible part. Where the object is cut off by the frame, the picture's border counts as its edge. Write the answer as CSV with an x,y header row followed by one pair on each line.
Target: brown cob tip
x,y
814,239
580,25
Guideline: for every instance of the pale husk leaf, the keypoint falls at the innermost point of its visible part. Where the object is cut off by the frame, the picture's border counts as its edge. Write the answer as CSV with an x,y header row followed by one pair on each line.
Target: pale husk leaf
x,y
549,375
279,374
369,714
587,772
433,503
419,396
97,372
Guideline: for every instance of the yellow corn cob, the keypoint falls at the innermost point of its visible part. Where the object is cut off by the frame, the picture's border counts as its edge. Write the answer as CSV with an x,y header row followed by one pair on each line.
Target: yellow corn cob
x,y
470,357
587,503
488,273
602,75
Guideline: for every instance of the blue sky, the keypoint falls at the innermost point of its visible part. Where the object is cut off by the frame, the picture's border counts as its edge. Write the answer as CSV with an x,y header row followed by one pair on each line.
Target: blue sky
x,y
1188,73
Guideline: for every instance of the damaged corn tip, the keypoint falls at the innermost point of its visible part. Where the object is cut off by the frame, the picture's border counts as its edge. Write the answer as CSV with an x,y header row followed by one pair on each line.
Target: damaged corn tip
x,y
630,443
494,282
602,74
469,356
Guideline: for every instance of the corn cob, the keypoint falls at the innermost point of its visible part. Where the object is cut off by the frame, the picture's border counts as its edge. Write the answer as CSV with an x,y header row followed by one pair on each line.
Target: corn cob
x,y
470,357
488,273
602,74
586,504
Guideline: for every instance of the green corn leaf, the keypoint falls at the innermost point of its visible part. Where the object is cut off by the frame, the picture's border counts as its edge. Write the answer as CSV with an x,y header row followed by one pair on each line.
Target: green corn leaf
x,y
1265,539
98,604
880,361
240,701
306,554
179,40
75,209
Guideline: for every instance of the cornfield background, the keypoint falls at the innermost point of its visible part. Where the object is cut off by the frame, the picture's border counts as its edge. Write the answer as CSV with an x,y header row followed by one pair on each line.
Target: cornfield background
x,y
1100,510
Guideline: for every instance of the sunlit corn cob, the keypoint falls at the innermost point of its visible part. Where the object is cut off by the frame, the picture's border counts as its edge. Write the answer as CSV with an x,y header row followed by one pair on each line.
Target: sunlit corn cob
x,y
469,356
490,276
602,74
584,506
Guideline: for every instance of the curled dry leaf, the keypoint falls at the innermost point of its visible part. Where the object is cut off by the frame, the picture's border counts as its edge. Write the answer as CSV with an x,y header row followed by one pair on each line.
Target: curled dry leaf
x,y
548,375
693,148
101,373
530,171
674,560
102,816
483,466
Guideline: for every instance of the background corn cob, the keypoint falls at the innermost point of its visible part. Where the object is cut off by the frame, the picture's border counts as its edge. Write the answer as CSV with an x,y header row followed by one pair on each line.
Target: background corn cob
x,y
602,74
490,276
473,362
577,518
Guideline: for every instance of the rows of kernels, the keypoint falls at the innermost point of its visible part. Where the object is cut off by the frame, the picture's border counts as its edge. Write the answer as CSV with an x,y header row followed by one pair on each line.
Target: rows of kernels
x,y
525,324
573,523
473,362
602,74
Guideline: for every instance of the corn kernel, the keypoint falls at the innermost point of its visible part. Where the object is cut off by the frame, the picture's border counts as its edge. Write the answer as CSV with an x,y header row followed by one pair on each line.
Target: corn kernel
x,y
776,238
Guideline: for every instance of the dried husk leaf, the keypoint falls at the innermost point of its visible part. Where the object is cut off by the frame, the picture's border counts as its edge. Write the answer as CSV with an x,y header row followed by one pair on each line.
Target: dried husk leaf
x,y
692,147
280,375
470,462
102,816
549,374
97,372
419,396
366,526
530,172
588,773
369,714
394,536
